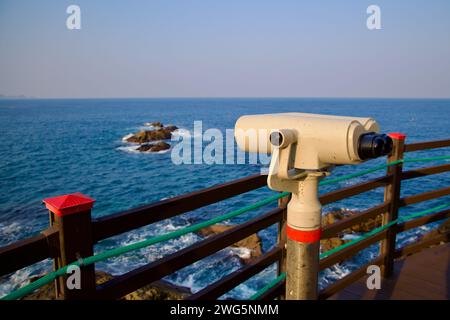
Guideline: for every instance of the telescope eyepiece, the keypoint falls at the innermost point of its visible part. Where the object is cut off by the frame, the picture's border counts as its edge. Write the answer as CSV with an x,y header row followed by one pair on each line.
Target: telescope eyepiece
x,y
276,138
282,138
373,145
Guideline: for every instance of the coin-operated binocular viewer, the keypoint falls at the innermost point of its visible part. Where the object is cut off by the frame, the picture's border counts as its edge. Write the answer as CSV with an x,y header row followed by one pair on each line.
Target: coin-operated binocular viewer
x,y
305,147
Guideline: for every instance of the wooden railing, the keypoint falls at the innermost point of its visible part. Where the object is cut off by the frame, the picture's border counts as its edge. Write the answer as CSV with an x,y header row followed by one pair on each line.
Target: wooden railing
x,y
53,243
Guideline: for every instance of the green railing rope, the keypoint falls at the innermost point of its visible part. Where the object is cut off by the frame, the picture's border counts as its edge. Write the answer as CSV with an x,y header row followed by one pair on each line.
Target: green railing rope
x,y
21,292
282,276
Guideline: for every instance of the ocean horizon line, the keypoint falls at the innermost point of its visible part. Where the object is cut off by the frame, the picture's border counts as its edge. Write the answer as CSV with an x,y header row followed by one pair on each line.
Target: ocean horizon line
x,y
222,98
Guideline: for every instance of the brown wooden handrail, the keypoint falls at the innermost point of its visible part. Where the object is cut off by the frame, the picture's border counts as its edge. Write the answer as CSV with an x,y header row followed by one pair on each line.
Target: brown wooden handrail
x,y
26,252
424,196
146,274
354,190
422,172
121,222
417,222
417,246
427,145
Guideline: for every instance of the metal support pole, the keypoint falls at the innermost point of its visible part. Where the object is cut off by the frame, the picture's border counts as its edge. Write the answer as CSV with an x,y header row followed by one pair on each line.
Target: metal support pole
x,y
303,243
282,241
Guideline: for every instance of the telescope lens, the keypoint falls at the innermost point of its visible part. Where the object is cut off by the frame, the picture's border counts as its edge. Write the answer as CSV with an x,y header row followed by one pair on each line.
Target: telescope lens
x,y
373,145
276,139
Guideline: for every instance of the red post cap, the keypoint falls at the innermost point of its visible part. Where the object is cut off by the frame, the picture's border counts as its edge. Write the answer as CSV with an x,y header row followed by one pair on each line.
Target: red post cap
x,y
397,135
69,203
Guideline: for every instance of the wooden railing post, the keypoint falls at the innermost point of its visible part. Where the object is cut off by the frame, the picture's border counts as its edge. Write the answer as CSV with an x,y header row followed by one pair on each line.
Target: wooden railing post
x,y
71,216
281,266
392,195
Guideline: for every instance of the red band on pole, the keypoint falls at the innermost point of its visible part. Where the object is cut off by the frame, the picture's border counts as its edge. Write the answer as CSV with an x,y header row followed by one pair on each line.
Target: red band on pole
x,y
302,235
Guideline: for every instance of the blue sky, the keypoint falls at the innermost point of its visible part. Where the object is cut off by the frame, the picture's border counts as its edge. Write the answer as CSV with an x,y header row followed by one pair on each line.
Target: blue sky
x,y
229,48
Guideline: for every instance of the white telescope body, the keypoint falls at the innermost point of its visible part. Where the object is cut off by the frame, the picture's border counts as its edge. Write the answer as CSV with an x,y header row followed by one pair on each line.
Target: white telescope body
x,y
319,140
304,147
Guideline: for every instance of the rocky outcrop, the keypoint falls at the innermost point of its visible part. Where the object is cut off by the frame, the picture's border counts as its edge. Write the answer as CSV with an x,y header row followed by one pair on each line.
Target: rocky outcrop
x,y
145,137
154,147
171,128
252,243
158,290
444,228
150,135
338,215
331,243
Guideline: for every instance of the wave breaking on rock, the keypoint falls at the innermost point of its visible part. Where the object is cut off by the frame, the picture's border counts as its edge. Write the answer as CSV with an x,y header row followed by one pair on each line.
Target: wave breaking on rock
x,y
150,141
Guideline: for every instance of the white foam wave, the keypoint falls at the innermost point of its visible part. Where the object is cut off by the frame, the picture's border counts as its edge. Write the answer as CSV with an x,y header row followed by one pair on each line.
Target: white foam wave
x,y
241,252
133,148
129,149
190,282
147,128
329,208
350,236
124,139
12,232
9,229
22,277
333,274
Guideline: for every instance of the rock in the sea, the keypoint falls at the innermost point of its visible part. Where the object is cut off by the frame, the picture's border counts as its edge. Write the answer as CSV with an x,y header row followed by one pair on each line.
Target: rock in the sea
x,y
331,243
154,147
158,133
252,243
150,135
171,127
158,290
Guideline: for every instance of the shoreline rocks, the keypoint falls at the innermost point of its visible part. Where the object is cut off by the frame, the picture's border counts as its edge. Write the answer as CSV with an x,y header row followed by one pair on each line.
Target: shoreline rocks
x,y
253,243
338,215
443,228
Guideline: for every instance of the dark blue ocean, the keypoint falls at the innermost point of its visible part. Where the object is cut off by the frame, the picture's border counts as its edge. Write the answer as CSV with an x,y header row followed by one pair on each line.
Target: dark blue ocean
x,y
54,147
